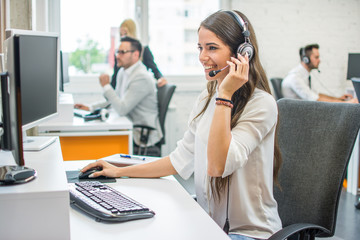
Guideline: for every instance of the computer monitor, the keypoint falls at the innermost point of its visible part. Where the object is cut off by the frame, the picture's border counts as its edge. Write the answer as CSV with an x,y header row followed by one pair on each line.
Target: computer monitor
x,y
64,70
356,84
11,139
353,70
32,61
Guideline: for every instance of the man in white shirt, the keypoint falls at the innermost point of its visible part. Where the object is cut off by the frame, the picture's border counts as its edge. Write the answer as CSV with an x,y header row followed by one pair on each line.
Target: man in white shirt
x,y
297,84
135,95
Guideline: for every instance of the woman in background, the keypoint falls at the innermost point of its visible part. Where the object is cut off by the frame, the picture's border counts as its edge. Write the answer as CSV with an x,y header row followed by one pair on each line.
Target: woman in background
x,y
128,28
230,144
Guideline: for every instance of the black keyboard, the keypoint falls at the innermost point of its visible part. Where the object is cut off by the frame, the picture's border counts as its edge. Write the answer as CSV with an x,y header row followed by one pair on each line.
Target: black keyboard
x,y
106,203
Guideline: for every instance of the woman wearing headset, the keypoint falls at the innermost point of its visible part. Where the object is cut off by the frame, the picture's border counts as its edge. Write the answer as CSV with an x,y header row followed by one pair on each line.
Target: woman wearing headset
x,y
231,141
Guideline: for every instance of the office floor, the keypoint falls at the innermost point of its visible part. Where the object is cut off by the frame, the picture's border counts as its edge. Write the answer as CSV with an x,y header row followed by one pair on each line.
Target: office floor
x,y
348,219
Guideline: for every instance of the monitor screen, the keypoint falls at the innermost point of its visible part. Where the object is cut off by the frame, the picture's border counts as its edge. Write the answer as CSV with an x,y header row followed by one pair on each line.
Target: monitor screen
x,y
38,77
353,70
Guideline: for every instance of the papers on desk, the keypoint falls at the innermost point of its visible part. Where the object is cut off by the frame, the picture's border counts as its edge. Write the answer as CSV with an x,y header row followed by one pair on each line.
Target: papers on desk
x,y
116,159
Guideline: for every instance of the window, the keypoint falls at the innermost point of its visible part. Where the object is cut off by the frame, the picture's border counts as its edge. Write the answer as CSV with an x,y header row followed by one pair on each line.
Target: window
x,y
89,32
173,29
190,36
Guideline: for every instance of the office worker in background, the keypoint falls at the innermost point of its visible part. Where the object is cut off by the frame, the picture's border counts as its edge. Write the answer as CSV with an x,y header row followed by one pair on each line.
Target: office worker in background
x,y
128,28
231,141
135,95
297,84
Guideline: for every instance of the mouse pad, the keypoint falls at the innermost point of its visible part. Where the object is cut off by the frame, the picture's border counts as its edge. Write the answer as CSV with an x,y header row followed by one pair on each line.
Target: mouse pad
x,y
72,177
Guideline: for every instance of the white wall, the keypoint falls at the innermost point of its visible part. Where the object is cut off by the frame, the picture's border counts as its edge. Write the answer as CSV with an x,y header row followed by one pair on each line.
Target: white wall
x,y
283,26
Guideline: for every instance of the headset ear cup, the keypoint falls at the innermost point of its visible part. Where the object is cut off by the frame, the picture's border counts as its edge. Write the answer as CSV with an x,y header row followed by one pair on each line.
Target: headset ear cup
x,y
306,60
246,48
104,114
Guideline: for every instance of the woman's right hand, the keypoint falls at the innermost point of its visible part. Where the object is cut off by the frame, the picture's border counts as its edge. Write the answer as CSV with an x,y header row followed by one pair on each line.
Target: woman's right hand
x,y
107,169
238,75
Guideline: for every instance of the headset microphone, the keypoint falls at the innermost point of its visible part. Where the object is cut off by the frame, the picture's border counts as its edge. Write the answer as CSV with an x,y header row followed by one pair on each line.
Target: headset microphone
x,y
213,73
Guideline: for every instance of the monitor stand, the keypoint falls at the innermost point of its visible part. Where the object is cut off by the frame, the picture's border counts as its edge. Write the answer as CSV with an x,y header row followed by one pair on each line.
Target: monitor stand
x,y
12,174
36,143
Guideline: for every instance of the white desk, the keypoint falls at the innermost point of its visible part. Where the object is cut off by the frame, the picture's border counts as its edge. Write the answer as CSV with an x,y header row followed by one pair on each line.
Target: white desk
x,y
95,139
38,209
178,216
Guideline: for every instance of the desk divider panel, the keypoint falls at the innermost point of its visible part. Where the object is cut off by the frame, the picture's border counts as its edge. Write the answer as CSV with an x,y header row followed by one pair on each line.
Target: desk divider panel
x,y
92,147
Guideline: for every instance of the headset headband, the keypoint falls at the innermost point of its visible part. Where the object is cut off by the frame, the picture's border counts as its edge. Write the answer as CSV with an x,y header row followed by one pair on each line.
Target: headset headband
x,y
246,47
242,24
303,52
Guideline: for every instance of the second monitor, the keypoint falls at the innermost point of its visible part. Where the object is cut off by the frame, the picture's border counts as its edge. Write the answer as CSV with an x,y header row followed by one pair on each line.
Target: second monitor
x,y
353,70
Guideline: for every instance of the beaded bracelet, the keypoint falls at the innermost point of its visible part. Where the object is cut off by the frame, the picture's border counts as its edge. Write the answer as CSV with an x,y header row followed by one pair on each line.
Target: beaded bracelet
x,y
225,100
225,103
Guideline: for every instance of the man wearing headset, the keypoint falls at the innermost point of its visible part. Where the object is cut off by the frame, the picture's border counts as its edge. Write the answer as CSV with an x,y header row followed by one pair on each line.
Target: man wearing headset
x,y
135,95
297,84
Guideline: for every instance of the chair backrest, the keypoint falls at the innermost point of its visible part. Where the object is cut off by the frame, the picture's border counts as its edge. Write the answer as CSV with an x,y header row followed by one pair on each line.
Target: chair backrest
x,y
316,140
276,83
164,95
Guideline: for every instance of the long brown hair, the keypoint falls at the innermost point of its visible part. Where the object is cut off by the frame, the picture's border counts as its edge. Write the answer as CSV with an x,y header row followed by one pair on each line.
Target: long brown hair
x,y
228,30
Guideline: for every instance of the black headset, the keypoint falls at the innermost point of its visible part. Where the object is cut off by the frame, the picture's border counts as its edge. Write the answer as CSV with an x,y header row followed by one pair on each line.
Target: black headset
x,y
99,114
245,47
304,57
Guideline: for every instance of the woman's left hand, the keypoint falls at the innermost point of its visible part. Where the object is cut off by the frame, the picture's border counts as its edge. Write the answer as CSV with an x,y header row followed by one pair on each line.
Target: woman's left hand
x,y
238,75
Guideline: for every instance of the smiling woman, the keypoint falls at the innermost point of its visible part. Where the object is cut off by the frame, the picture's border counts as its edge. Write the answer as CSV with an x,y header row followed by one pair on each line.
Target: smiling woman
x,y
230,145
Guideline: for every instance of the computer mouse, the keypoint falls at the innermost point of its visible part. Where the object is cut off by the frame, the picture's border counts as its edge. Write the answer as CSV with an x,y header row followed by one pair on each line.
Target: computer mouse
x,y
85,175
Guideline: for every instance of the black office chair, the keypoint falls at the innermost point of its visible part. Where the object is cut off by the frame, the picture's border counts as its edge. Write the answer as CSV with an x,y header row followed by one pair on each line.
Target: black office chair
x,y
164,96
316,140
276,83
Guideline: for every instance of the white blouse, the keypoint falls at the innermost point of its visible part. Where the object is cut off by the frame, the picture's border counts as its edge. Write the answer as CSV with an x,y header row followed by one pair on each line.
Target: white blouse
x,y
252,207
296,85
